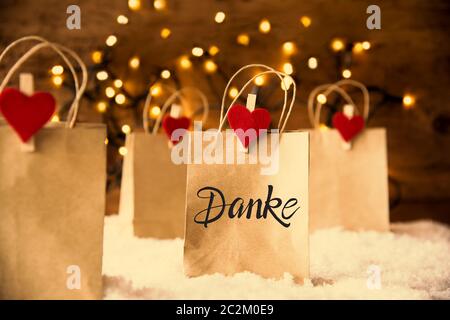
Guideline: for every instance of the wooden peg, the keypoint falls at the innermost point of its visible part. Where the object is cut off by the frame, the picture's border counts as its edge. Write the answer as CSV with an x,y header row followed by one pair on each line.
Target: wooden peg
x,y
175,110
251,102
250,105
26,85
349,112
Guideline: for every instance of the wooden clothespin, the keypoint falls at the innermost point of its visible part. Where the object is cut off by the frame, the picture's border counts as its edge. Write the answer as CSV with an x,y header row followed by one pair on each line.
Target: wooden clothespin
x,y
26,85
250,105
175,110
349,112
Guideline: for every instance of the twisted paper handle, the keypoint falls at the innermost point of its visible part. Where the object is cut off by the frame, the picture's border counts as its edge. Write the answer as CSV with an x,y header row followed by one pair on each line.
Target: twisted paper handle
x,y
59,49
175,95
281,75
326,89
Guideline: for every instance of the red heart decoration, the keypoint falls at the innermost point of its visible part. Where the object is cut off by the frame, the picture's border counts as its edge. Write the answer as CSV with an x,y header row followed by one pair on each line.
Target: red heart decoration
x,y
26,114
171,124
239,117
348,127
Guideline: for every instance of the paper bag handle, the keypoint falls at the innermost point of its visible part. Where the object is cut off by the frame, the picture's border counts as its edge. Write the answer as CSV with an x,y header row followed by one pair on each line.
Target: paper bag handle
x,y
175,95
59,49
326,89
281,75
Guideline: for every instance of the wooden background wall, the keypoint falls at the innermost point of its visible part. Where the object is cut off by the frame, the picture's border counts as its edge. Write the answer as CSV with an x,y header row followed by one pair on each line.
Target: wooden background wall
x,y
411,53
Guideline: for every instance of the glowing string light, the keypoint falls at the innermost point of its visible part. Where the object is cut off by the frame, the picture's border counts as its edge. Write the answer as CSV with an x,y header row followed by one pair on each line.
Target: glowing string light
x,y
313,63
123,151
102,75
101,106
243,39
57,70
120,99
111,40
219,17
264,26
305,21
165,33
321,98
122,19
210,66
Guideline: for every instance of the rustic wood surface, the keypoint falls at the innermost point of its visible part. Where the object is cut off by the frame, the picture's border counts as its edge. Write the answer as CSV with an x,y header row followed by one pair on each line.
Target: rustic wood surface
x,y
411,53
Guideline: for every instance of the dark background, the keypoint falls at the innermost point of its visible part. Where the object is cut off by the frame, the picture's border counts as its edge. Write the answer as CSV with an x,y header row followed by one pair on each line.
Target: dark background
x,y
410,54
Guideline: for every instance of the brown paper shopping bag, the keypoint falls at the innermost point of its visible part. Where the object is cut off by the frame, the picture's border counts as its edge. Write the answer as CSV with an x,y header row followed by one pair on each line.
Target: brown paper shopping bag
x,y
240,218
52,203
349,185
153,189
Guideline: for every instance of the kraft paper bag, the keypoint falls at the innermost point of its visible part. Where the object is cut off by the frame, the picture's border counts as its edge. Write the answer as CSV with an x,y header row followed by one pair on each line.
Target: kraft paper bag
x,y
52,204
153,188
266,241
349,181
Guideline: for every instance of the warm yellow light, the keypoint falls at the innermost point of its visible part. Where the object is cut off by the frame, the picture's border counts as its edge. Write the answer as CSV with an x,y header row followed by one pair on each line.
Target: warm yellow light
x,y
126,129
219,17
286,83
122,19
55,118
321,98
159,4
337,45
101,106
120,98
110,92
289,47
106,141
213,50
323,127
102,75
111,40
165,33
123,151
366,45
134,4
408,101
134,62
312,63
233,92
264,26
210,66
260,80
288,68
155,111
118,83
243,39
57,70
357,47
155,90
165,74
197,51
305,21
57,80
185,63
346,73
97,56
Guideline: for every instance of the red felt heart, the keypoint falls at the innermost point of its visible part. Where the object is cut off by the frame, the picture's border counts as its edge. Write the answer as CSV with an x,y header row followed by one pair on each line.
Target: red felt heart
x,y
239,117
26,114
171,124
348,127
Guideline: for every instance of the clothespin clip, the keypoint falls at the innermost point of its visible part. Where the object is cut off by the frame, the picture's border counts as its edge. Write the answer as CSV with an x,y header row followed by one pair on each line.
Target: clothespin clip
x,y
26,85
250,105
349,112
175,110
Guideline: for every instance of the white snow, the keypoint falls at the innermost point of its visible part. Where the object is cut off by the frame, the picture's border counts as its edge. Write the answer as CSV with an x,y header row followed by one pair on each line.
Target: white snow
x,y
414,261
